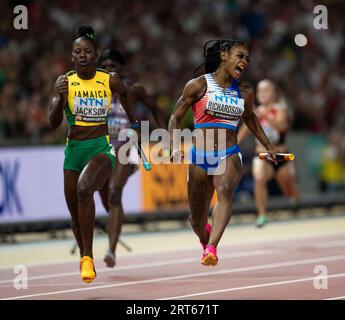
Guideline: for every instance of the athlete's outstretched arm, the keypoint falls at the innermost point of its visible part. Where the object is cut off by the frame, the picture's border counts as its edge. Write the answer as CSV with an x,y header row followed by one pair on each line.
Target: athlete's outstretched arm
x,y
253,123
192,92
59,100
117,85
158,115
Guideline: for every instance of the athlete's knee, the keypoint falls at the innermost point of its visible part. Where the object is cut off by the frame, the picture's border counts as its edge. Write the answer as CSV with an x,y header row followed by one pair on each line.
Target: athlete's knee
x,y
260,180
84,191
291,191
226,191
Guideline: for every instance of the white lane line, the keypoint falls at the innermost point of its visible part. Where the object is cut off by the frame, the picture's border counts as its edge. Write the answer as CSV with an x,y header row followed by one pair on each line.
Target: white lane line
x,y
186,276
328,244
262,285
287,239
336,298
151,264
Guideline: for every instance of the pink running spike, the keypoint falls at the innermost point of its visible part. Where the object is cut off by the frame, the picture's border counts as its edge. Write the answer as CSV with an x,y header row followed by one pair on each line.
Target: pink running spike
x,y
208,228
209,257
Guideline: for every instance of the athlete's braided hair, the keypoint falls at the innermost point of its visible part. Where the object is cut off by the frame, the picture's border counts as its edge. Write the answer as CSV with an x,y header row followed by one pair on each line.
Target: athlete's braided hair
x,y
86,32
212,54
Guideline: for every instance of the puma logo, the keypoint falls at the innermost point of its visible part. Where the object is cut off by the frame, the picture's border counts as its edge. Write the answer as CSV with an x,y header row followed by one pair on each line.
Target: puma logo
x,y
102,83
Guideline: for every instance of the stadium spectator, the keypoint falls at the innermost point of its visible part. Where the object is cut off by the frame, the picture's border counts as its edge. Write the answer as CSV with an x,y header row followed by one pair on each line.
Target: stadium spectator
x,y
160,43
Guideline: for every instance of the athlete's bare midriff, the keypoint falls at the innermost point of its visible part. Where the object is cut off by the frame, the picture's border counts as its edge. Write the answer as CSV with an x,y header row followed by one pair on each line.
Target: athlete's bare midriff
x,y
87,132
213,138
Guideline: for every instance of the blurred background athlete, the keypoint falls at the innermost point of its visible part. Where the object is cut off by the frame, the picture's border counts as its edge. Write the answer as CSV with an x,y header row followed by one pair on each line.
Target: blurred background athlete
x,y
274,119
111,193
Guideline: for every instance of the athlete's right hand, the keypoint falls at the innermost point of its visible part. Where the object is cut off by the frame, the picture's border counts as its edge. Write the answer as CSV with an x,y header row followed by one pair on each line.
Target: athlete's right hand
x,y
272,150
61,85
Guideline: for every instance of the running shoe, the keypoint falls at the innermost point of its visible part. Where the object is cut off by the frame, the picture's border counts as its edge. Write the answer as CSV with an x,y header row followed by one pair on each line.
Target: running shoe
x,y
208,228
261,221
87,269
209,257
109,259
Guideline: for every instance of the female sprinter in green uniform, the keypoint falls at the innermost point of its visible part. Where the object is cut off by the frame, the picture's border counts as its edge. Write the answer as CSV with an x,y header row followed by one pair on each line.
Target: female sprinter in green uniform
x,y
85,96
219,103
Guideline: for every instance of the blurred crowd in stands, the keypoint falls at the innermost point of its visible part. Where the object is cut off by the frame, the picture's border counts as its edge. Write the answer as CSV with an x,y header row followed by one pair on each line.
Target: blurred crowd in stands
x,y
163,41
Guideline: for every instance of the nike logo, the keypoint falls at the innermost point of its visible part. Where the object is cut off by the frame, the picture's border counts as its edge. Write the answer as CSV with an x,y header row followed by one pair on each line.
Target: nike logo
x,y
223,157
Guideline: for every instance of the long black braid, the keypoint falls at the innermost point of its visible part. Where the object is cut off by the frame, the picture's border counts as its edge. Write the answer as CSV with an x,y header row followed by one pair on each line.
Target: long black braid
x,y
212,54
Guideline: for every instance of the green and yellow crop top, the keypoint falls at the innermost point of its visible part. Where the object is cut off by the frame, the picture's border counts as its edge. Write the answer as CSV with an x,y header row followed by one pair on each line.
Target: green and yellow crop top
x,y
88,100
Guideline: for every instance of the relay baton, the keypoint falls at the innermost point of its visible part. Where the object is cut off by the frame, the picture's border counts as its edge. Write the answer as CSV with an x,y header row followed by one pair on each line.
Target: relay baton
x,y
141,152
279,156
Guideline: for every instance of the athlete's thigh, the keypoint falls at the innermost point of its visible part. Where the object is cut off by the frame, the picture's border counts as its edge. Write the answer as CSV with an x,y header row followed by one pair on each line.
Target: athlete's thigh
x,y
200,190
286,177
70,188
262,170
96,172
226,182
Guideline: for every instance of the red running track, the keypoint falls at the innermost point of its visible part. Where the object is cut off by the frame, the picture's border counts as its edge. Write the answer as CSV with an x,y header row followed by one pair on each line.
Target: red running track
x,y
285,269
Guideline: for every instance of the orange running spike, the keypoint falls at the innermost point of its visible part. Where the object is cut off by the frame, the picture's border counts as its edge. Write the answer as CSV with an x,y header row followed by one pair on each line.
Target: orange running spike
x,y
87,269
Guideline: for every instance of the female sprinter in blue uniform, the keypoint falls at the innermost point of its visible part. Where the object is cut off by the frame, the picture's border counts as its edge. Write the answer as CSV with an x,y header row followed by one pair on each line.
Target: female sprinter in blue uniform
x,y
85,96
218,102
